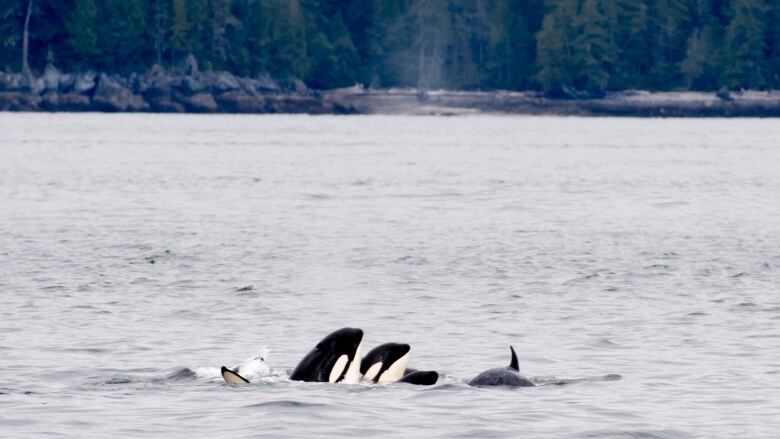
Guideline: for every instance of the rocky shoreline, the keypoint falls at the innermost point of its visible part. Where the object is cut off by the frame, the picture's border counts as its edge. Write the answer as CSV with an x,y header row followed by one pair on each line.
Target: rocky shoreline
x,y
187,90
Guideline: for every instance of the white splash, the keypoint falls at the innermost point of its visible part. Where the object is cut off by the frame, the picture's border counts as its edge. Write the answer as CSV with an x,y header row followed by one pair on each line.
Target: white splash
x,y
253,368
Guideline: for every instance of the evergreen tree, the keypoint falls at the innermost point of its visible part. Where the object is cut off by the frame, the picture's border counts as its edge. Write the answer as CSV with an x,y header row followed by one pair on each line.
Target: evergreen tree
x,y
366,21
10,33
629,35
222,22
287,38
520,44
558,46
744,46
704,57
199,35
555,49
82,27
773,44
249,38
467,49
161,20
180,28
668,28
594,52
345,53
122,33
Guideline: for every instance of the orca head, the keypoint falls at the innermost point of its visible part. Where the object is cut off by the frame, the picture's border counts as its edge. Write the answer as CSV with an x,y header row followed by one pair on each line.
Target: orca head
x,y
386,363
334,359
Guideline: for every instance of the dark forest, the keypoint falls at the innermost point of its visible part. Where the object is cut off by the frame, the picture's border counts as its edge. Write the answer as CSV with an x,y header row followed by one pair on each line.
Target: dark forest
x,y
550,45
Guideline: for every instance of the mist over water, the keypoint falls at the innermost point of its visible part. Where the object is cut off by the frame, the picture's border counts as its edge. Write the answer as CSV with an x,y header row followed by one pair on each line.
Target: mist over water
x,y
132,246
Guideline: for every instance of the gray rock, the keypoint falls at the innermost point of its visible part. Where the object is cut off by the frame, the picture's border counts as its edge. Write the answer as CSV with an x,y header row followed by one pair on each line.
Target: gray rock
x,y
11,81
724,95
264,84
50,100
124,100
51,77
225,82
188,66
84,83
19,101
294,85
248,85
112,94
191,85
33,85
53,101
67,82
198,103
238,102
164,104
108,86
155,84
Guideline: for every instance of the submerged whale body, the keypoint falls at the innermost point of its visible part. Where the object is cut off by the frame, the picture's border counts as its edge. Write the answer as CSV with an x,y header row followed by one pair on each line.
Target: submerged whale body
x,y
421,377
503,376
335,359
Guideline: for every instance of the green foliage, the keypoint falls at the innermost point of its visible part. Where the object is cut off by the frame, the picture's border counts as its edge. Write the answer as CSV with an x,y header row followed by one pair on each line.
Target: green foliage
x,y
123,33
558,46
594,47
744,46
555,49
180,28
703,61
82,28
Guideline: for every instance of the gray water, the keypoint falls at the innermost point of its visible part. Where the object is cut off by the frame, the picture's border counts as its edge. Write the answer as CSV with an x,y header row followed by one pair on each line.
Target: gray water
x,y
132,246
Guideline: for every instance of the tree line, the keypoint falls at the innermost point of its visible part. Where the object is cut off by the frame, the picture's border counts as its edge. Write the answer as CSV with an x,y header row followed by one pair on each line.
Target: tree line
x,y
557,46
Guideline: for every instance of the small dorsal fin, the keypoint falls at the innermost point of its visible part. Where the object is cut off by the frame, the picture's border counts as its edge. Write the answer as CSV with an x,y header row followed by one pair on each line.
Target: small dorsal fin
x,y
514,365
233,377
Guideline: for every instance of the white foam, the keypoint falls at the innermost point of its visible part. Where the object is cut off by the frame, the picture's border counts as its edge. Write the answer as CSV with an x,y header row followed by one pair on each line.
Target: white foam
x,y
253,368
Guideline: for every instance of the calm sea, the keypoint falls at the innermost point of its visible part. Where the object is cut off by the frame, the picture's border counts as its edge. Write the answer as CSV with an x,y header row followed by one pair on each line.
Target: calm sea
x,y
132,246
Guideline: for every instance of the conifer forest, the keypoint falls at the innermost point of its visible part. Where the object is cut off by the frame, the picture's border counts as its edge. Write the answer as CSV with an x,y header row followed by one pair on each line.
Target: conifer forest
x,y
549,45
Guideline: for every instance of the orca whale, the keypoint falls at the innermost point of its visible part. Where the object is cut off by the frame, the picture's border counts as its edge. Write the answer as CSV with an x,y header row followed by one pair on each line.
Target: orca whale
x,y
386,363
503,376
335,359
251,368
233,377
420,377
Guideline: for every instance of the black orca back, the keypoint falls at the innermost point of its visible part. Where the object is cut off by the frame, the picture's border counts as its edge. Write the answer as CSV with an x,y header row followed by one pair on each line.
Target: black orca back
x,y
421,377
315,367
501,377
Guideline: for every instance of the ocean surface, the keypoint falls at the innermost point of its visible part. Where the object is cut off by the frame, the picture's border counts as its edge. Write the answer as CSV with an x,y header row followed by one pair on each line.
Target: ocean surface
x,y
633,264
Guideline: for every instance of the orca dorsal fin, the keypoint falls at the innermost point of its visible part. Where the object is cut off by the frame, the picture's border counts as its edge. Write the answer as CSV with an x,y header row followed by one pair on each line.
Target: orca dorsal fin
x,y
232,377
514,365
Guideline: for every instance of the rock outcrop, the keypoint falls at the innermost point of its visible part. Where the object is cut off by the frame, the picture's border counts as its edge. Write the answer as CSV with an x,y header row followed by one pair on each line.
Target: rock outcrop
x,y
186,89
182,89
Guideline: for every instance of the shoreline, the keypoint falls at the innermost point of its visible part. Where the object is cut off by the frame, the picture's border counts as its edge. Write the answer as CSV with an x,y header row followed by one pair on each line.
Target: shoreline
x,y
191,91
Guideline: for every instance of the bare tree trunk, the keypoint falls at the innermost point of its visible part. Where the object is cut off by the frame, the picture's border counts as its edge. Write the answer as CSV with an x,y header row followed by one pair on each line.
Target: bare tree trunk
x,y
25,40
